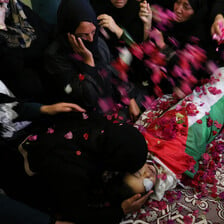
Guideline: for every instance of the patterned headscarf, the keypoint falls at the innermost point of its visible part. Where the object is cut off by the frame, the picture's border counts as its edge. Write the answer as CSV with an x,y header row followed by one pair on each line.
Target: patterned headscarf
x,y
19,32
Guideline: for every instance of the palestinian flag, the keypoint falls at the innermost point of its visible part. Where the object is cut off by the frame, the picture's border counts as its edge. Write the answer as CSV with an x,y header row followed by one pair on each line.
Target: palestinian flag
x,y
179,136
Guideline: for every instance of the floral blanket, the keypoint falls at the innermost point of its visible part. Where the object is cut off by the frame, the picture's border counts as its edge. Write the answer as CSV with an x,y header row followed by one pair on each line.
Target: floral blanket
x,y
202,199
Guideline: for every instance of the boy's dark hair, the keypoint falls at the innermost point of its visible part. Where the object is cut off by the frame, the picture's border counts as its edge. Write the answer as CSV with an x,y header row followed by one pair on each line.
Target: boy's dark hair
x,y
117,190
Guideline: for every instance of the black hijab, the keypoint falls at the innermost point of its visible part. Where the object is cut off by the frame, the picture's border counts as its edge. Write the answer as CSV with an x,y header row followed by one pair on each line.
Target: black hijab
x,y
126,17
126,149
70,14
194,27
110,147
197,5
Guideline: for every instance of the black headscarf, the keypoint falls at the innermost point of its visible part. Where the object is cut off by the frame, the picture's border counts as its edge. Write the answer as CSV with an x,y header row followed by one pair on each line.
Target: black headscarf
x,y
127,17
197,5
126,149
194,27
71,13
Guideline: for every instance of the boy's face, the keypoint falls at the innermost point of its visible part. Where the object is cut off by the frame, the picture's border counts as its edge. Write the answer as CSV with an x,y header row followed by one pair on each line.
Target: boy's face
x,y
136,180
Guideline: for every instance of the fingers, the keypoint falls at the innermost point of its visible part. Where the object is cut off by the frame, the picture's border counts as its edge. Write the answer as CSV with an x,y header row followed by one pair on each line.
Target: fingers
x,y
102,16
61,107
104,20
135,198
217,29
146,10
144,198
66,107
81,44
73,41
75,107
145,7
76,43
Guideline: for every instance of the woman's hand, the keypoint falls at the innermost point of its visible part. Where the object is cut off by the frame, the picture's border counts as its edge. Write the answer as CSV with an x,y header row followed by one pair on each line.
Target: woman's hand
x,y
60,107
158,37
215,28
2,18
134,110
134,203
108,22
145,14
80,49
63,222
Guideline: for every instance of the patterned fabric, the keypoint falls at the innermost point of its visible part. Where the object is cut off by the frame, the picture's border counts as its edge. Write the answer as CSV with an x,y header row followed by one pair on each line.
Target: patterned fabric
x,y
201,199
7,115
19,32
184,205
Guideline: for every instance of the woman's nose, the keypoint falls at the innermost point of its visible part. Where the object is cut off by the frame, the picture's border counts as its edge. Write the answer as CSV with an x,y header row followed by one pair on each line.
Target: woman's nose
x,y
179,9
90,37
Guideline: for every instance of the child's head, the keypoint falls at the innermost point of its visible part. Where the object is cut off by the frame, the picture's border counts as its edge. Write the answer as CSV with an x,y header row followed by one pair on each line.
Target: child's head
x,y
143,180
125,185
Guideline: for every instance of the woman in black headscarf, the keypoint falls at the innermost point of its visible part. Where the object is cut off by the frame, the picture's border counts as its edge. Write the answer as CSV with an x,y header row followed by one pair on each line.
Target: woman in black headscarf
x,y
126,14
78,61
190,22
194,25
189,30
127,20
23,38
73,154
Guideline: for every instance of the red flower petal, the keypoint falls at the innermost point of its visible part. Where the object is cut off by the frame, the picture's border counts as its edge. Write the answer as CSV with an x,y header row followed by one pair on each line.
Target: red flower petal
x,y
78,153
50,131
32,138
85,136
69,135
81,77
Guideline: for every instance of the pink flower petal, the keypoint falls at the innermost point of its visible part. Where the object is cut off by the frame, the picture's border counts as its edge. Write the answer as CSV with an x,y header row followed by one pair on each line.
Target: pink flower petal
x,y
86,136
69,135
50,131
78,153
32,138
85,116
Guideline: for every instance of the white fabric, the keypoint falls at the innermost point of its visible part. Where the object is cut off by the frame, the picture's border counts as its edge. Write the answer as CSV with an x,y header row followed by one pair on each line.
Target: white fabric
x,y
7,115
162,185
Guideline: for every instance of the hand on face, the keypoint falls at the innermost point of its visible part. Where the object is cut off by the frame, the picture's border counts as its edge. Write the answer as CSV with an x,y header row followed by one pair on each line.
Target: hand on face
x,y
134,203
80,49
108,22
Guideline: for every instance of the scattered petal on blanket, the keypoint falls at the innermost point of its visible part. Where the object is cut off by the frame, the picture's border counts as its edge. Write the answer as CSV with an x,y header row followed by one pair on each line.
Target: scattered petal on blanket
x,y
50,130
86,136
78,153
32,138
85,116
69,135
81,77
